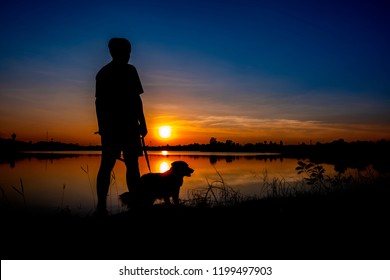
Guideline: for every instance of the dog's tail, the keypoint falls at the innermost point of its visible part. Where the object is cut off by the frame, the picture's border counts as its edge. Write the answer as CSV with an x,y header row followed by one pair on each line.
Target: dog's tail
x,y
134,200
125,198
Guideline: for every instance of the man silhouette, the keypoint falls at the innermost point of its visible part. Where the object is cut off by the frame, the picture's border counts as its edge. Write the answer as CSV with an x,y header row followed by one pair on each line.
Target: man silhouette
x,y
120,117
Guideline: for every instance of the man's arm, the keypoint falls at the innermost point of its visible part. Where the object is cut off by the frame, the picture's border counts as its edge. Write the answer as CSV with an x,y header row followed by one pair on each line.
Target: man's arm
x,y
141,118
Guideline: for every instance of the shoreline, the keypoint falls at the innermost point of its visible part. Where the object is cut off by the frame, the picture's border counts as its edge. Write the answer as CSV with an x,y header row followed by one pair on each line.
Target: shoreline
x,y
281,228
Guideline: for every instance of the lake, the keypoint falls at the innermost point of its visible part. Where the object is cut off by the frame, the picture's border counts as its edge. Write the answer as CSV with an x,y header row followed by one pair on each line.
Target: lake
x,y
67,180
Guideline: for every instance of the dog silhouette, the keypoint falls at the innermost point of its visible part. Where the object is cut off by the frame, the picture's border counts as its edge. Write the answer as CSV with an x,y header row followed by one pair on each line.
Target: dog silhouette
x,y
165,185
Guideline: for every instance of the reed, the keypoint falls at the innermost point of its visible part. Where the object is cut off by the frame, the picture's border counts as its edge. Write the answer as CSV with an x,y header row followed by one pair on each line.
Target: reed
x,y
21,192
64,211
63,196
216,193
114,184
315,184
86,171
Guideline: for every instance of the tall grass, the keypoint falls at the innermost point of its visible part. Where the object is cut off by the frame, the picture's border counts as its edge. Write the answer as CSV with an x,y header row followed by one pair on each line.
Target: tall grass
x,y
86,171
278,187
113,183
314,183
21,192
216,193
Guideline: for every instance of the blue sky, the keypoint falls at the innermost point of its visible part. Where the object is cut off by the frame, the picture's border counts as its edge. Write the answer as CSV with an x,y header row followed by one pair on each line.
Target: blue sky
x,y
243,70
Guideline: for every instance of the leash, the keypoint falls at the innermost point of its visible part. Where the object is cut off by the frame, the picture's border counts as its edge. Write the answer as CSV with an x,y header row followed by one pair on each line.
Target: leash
x,y
145,153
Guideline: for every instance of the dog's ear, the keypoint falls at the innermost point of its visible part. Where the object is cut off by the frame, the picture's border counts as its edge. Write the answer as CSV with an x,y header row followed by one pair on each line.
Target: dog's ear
x,y
179,163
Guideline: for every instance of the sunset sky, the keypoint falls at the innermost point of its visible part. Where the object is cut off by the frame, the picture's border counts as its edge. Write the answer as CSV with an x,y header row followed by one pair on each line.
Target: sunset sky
x,y
244,70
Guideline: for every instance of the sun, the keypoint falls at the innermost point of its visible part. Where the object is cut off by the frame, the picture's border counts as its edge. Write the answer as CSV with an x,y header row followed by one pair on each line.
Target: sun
x,y
165,131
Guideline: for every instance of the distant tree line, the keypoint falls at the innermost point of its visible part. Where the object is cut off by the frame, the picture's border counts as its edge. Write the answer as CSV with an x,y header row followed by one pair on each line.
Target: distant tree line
x,y
337,152
337,146
357,154
228,146
11,145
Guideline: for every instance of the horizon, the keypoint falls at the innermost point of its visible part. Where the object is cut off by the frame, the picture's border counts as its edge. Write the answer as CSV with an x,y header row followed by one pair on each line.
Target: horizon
x,y
244,71
265,142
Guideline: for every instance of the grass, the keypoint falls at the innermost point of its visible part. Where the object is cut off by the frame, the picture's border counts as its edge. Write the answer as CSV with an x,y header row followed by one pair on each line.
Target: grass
x,y
21,192
332,217
315,186
86,171
217,193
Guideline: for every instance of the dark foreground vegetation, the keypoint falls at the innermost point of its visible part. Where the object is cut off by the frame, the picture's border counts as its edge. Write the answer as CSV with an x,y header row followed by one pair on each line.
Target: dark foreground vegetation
x,y
336,217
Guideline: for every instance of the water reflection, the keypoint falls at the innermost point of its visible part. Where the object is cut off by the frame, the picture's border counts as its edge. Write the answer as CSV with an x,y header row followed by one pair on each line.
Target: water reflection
x,y
68,180
164,166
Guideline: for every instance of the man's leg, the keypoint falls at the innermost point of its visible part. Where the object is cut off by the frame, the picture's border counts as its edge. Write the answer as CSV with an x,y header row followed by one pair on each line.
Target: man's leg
x,y
103,181
132,173
131,152
107,163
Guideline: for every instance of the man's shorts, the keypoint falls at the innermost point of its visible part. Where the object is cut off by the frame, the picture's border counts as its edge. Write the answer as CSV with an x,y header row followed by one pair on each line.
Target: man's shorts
x,y
115,143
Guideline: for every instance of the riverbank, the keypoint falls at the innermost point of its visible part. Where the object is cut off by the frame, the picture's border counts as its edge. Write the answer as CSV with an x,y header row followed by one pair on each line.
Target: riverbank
x,y
344,224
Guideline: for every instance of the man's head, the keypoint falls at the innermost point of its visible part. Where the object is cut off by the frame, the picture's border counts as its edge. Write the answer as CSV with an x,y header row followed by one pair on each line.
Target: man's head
x,y
120,49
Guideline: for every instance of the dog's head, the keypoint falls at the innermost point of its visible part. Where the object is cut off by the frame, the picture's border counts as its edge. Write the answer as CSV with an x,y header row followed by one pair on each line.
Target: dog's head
x,y
181,168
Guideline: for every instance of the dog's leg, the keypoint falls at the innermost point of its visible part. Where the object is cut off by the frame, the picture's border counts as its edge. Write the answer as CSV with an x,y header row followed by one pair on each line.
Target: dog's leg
x,y
167,200
175,198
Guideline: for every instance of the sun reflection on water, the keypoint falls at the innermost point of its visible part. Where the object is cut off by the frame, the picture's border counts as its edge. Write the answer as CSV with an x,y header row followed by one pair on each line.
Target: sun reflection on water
x,y
164,166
